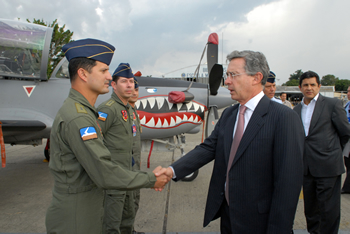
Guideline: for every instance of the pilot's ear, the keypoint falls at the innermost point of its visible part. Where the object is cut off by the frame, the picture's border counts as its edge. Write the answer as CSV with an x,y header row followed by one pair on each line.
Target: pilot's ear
x,y
114,85
82,74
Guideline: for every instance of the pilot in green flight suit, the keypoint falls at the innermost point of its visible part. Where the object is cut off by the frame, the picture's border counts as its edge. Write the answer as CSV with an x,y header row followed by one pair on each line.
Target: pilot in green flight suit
x,y
136,146
117,126
80,163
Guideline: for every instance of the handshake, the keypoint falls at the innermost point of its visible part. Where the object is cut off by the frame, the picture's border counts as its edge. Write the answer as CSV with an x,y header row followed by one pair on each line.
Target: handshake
x,y
163,175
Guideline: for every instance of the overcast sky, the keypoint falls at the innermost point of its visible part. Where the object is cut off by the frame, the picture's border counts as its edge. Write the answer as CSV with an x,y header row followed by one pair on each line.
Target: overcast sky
x,y
161,36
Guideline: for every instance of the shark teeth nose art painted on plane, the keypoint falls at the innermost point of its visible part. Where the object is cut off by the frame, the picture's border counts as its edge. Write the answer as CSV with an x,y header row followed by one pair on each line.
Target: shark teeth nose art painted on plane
x,y
156,112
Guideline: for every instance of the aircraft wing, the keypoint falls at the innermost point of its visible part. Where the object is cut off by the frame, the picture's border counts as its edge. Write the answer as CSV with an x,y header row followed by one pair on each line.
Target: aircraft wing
x,y
22,131
13,127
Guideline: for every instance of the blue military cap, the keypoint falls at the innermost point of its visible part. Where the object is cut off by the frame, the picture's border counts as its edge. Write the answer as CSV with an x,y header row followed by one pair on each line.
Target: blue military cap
x,y
89,48
271,78
136,83
123,70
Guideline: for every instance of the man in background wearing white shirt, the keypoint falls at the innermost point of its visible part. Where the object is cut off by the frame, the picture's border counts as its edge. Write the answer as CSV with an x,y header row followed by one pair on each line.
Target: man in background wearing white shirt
x,y
326,133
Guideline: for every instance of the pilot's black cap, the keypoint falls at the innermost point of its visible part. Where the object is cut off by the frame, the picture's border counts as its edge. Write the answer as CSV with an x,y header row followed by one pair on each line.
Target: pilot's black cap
x,y
89,48
271,78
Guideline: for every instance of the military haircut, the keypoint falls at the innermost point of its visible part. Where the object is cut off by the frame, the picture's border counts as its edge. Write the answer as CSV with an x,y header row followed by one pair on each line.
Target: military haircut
x,y
76,63
254,62
307,75
115,78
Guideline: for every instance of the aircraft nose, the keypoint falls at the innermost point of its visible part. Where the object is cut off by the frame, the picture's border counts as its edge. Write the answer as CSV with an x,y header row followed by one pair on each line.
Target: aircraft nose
x,y
222,99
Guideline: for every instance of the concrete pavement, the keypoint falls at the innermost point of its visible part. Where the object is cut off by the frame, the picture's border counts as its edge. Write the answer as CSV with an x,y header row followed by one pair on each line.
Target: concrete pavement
x,y
25,193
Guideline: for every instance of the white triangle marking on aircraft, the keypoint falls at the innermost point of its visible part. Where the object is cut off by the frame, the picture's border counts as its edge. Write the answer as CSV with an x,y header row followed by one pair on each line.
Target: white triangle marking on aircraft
x,y
191,118
137,104
165,124
160,102
169,104
185,117
151,101
202,108
196,119
189,105
178,120
196,106
172,122
159,123
144,103
150,123
179,106
29,89
143,120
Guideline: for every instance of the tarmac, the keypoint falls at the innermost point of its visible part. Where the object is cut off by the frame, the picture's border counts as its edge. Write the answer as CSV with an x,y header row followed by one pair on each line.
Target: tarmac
x,y
26,184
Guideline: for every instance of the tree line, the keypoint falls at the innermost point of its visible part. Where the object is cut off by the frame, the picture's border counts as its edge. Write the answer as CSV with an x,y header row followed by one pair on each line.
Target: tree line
x,y
60,37
327,80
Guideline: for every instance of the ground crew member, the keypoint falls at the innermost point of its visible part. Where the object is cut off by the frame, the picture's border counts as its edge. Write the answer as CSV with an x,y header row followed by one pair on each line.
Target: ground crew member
x,y
270,87
80,163
117,125
136,147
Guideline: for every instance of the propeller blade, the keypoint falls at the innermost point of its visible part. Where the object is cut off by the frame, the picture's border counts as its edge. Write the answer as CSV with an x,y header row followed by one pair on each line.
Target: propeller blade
x,y
215,78
212,52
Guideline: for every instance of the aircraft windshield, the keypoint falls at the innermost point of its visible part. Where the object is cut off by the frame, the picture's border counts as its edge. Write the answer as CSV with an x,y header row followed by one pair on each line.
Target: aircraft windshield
x,y
21,49
61,71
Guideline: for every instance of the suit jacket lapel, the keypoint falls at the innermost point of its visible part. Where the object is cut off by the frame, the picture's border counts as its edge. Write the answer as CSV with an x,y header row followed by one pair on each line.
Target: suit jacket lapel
x,y
317,112
255,123
298,109
229,126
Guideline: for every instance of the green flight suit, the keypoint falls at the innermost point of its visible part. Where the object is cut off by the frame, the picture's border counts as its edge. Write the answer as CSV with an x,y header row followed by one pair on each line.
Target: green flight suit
x,y
136,152
116,125
81,166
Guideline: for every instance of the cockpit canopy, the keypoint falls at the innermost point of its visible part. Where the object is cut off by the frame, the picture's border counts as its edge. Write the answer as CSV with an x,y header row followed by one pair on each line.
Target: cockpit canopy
x,y
24,50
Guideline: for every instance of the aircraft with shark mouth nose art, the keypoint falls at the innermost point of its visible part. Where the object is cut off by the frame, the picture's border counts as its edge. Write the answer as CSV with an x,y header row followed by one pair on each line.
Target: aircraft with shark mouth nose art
x,y
30,101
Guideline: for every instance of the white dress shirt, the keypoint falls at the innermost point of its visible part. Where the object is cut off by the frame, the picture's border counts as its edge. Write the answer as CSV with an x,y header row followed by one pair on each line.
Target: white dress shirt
x,y
306,113
251,105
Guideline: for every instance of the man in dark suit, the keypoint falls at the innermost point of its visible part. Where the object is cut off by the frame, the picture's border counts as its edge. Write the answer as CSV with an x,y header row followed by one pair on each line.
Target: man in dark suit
x,y
326,132
346,152
264,179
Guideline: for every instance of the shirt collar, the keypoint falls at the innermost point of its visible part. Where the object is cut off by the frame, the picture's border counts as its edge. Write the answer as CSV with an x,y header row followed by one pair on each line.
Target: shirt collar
x,y
314,99
252,103
117,99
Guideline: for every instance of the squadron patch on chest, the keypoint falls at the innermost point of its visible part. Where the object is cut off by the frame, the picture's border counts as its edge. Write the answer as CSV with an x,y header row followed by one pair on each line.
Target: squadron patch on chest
x,y
125,115
88,133
102,116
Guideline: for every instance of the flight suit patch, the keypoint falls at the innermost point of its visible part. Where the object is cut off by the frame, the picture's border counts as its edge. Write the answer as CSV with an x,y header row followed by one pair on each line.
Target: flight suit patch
x,y
102,116
80,108
110,102
125,115
88,133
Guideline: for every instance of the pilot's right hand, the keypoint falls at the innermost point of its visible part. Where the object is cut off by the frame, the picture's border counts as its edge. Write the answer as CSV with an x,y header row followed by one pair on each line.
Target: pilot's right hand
x,y
162,178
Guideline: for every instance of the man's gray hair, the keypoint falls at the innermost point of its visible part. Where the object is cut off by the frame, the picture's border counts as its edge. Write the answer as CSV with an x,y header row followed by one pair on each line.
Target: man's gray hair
x,y
254,62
